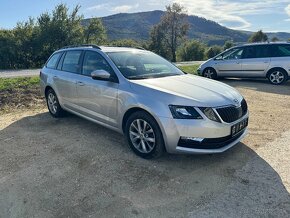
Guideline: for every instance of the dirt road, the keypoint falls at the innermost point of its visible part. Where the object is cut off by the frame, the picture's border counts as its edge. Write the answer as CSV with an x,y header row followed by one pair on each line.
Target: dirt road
x,y
71,167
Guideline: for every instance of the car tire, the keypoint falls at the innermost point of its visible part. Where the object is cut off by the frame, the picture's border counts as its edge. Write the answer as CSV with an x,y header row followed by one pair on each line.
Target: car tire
x,y
53,105
277,76
209,73
144,135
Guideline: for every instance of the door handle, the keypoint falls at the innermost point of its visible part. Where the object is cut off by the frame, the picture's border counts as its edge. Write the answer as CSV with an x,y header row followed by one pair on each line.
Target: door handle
x,y
55,77
80,83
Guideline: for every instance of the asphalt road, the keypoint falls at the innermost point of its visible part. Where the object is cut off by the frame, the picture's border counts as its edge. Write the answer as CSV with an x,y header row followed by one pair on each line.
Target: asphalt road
x,y
18,73
35,72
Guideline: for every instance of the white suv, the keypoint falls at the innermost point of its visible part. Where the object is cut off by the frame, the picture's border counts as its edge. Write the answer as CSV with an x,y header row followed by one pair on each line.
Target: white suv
x,y
260,60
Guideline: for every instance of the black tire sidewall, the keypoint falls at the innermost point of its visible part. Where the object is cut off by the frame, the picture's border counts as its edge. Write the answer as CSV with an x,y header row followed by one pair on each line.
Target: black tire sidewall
x,y
214,71
159,148
59,112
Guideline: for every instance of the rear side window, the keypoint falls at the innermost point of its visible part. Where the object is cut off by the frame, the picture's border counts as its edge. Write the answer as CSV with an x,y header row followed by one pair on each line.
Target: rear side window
x,y
71,62
280,50
258,51
52,62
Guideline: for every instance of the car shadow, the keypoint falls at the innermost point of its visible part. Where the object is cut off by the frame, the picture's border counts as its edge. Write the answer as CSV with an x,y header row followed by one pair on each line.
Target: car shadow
x,y
71,167
261,85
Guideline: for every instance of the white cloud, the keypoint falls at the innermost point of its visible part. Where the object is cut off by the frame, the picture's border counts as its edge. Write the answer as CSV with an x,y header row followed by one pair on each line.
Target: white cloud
x,y
232,13
287,9
98,7
124,8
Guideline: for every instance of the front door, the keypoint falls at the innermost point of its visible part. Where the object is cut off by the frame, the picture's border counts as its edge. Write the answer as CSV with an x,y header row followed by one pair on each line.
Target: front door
x,y
230,64
96,98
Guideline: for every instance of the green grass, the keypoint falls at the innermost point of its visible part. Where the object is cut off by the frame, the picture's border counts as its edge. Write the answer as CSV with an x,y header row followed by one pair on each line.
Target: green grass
x,y
192,69
19,82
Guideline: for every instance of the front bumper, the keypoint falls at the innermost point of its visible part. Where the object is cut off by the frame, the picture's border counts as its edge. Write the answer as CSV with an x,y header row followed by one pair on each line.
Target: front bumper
x,y
199,71
216,136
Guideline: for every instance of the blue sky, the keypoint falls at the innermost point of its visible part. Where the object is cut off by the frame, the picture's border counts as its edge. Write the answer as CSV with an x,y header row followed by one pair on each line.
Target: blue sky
x,y
268,15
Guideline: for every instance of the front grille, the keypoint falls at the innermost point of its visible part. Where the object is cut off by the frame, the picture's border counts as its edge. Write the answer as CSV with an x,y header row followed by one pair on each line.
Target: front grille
x,y
231,113
209,143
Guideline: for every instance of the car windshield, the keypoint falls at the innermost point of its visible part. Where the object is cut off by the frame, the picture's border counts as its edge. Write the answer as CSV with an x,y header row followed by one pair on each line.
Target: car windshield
x,y
143,65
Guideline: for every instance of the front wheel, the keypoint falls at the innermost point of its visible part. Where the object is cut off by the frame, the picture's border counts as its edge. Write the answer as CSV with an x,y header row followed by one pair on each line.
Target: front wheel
x,y
277,76
144,135
210,73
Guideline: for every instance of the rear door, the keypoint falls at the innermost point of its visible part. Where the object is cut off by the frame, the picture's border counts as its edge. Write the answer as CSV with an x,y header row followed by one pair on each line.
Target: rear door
x,y
256,61
230,63
96,98
68,73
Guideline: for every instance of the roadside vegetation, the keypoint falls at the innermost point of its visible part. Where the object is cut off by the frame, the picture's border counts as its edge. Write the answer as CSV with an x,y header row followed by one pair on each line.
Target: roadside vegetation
x,y
30,43
192,69
19,93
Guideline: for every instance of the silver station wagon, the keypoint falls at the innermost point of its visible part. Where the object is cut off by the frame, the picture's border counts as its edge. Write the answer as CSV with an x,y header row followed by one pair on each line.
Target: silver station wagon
x,y
143,96
260,60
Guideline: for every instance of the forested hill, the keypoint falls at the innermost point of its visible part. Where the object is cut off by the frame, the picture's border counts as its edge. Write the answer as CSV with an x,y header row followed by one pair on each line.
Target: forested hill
x,y
137,26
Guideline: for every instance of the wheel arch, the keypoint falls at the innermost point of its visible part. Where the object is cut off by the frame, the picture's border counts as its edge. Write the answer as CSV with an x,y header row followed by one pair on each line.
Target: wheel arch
x,y
46,89
276,68
130,111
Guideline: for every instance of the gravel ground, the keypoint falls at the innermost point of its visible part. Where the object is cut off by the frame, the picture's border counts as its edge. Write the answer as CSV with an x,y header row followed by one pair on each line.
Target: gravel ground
x,y
71,167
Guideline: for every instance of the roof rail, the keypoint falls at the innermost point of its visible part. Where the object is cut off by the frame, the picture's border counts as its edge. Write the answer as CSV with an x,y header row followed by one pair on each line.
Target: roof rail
x,y
82,45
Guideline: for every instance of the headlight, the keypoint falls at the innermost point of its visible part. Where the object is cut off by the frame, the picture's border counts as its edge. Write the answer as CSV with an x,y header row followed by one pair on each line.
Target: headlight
x,y
184,112
210,114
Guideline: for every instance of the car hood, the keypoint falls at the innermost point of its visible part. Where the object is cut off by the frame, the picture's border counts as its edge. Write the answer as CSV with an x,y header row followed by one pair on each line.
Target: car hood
x,y
204,92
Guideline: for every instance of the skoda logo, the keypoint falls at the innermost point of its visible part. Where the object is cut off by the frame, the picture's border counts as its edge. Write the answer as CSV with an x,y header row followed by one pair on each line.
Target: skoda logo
x,y
236,102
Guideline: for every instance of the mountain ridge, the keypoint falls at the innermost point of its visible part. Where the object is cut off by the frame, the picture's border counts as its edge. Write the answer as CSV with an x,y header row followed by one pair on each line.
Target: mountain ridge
x,y
137,26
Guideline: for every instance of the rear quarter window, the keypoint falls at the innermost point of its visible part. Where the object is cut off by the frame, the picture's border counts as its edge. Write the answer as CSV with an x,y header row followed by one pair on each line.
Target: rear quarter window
x,y
280,51
53,60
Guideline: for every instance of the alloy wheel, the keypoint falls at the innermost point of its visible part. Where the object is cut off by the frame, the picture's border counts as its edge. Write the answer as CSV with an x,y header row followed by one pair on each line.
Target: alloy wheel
x,y
209,73
142,136
277,77
52,103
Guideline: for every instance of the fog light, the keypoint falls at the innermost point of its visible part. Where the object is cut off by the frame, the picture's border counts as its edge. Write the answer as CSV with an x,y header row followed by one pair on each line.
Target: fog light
x,y
192,139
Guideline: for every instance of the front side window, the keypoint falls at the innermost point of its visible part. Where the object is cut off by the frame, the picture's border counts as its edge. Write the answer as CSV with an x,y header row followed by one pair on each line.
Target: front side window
x,y
235,53
71,62
143,65
52,62
94,61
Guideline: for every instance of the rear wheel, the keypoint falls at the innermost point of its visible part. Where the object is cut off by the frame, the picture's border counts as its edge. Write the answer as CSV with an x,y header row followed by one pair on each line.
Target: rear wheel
x,y
209,73
53,105
277,76
144,135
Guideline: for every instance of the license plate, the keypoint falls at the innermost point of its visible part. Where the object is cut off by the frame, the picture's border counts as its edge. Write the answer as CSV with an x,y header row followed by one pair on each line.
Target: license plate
x,y
239,127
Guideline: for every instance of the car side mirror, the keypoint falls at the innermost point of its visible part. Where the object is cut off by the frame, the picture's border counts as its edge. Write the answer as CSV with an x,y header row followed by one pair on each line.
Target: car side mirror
x,y
101,75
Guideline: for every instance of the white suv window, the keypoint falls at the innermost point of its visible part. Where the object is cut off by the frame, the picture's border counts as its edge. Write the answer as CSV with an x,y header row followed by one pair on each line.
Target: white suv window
x,y
235,53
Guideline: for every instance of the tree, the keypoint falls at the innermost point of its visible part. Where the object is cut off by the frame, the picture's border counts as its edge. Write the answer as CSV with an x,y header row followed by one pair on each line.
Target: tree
x,y
95,32
191,51
213,51
228,44
169,32
274,39
258,37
